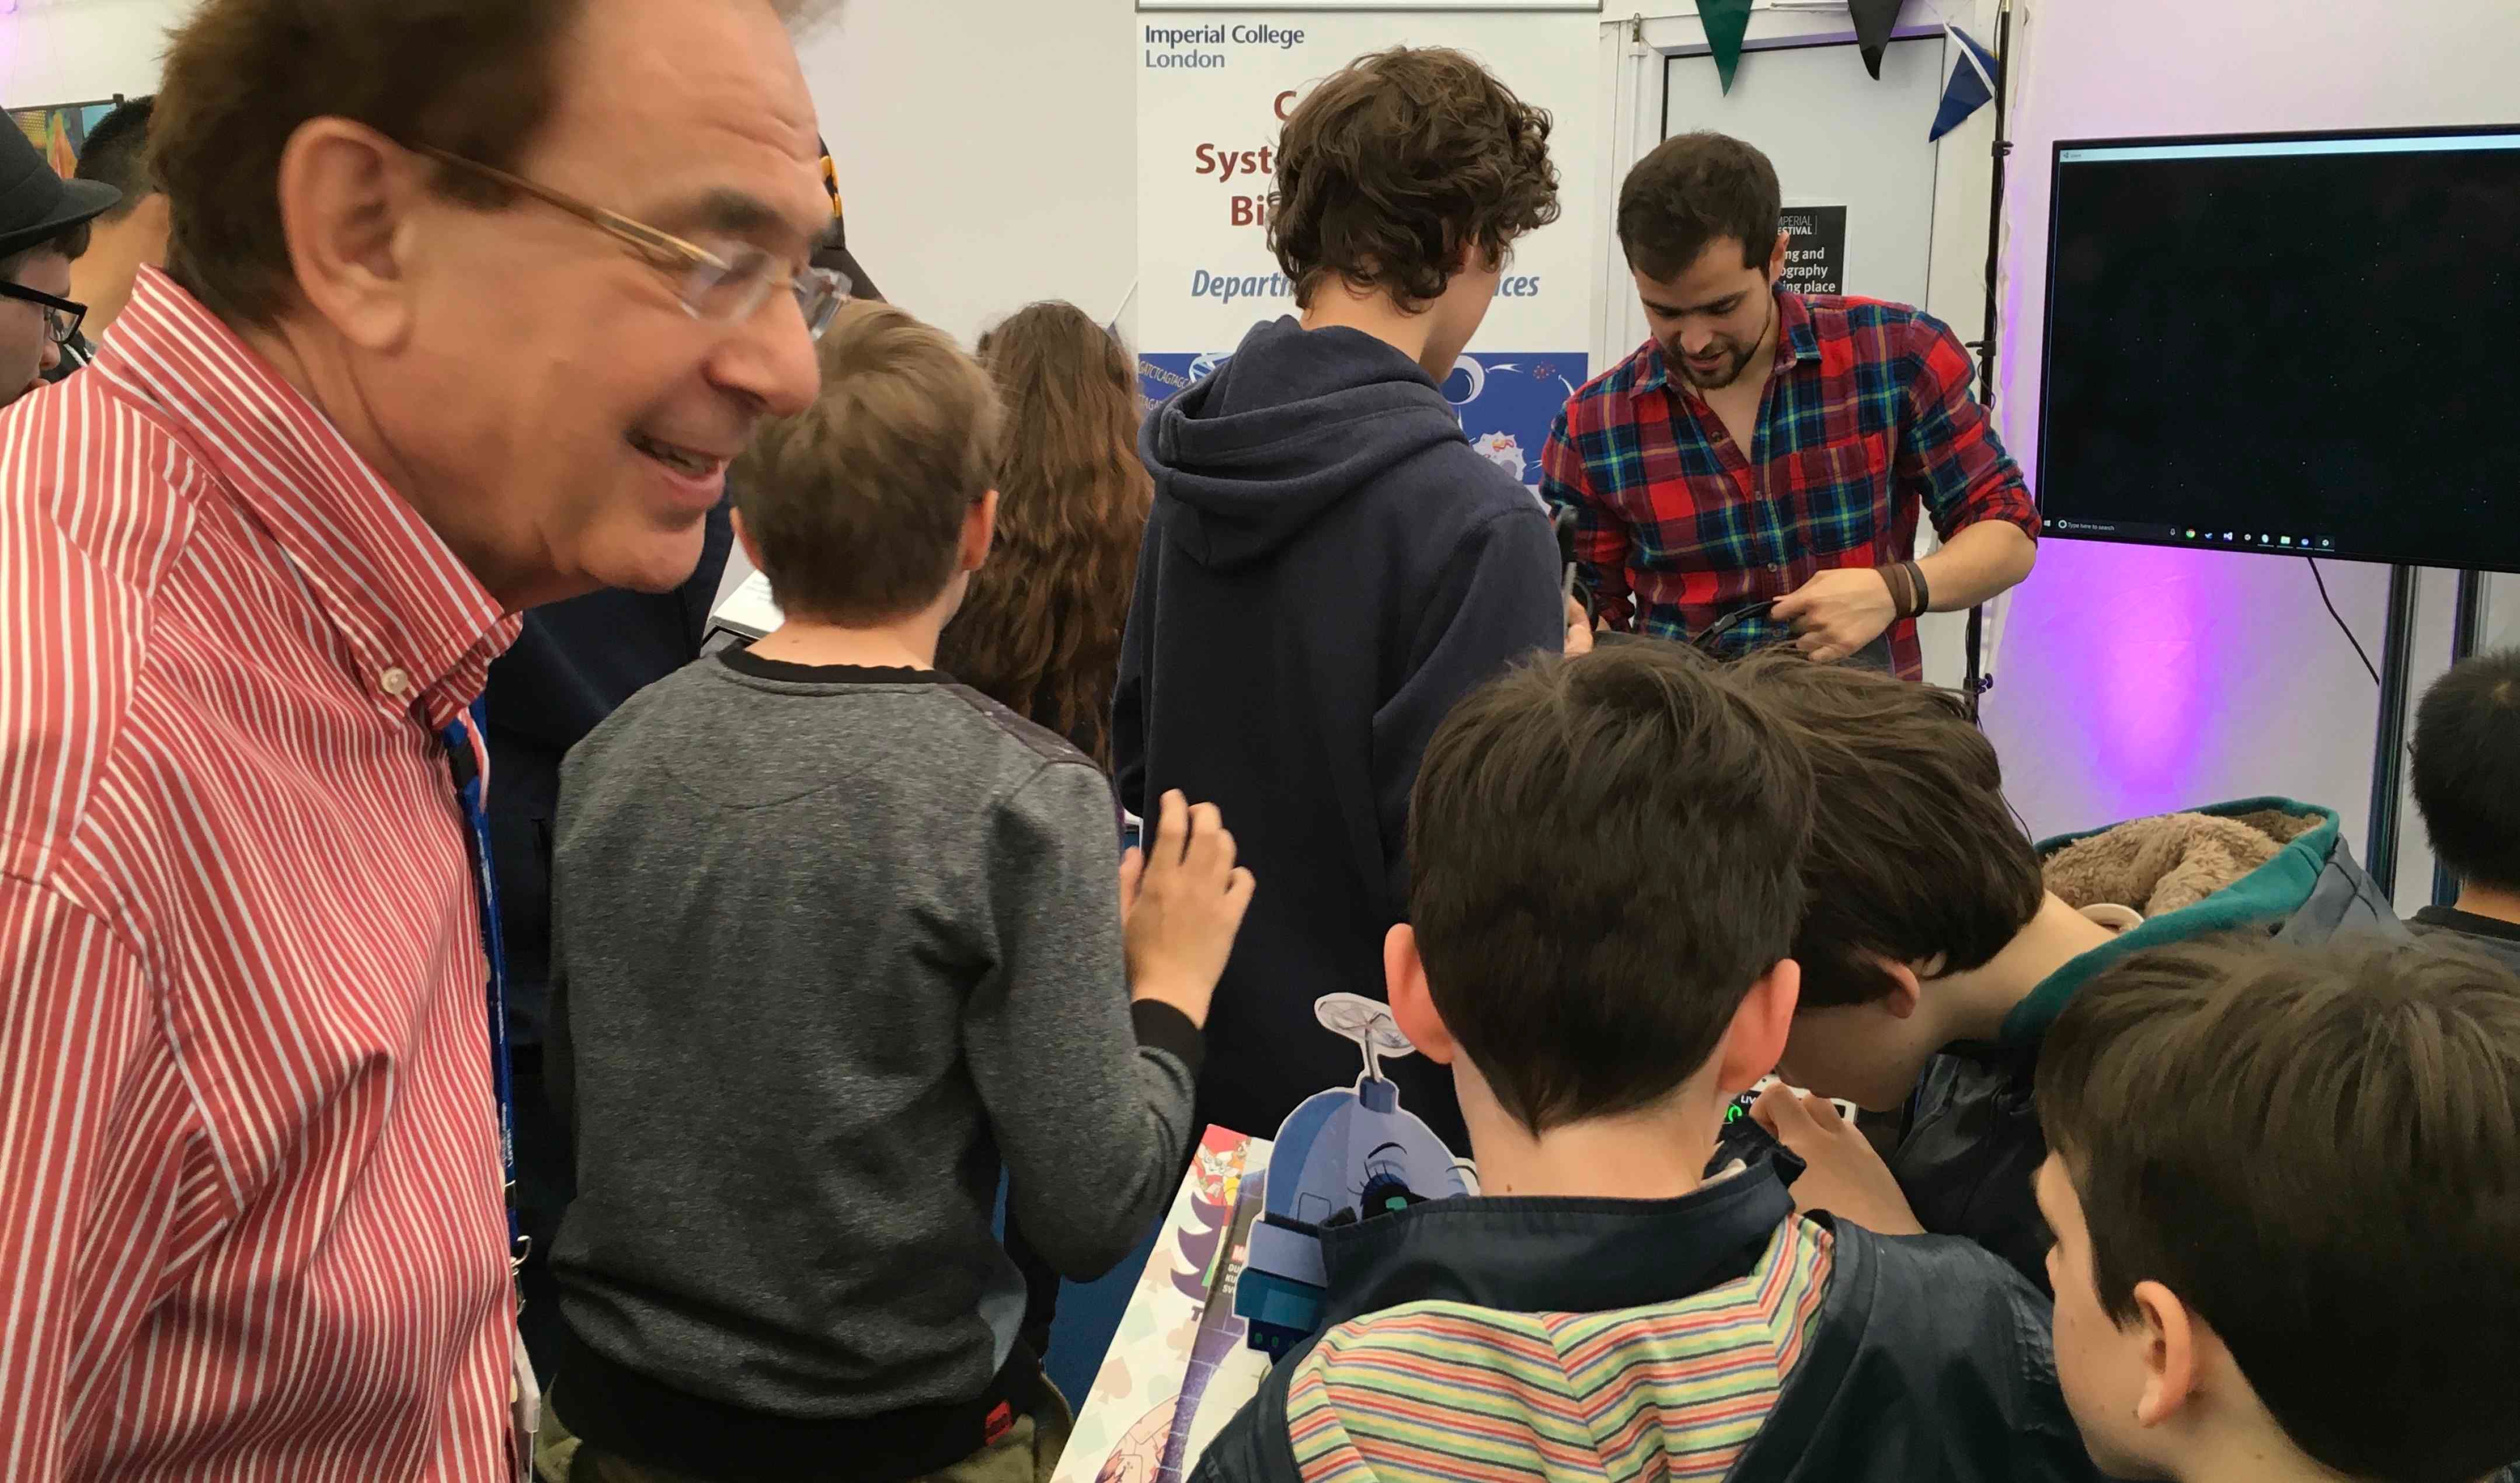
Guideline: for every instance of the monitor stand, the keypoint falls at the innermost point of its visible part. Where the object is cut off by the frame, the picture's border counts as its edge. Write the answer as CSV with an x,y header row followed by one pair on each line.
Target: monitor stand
x,y
2467,630
2389,748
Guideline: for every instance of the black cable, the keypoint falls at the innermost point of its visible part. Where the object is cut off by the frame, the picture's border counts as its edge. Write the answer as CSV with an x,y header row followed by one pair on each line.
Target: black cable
x,y
2340,619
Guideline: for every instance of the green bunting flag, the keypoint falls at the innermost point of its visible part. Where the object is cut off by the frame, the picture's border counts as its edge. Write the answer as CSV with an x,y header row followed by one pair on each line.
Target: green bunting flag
x,y
1726,22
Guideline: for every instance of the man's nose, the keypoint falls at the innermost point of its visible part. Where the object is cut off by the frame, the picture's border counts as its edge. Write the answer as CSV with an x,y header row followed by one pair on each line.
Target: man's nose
x,y
770,358
52,356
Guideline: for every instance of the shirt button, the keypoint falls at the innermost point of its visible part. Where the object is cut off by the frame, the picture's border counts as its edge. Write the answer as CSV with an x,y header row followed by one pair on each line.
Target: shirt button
x,y
1774,566
394,682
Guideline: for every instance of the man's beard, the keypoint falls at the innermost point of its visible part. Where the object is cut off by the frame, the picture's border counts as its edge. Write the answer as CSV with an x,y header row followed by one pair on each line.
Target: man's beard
x,y
1737,361
1724,375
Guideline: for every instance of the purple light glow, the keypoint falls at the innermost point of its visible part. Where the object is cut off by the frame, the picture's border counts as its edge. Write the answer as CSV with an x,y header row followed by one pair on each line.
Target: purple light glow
x,y
2148,723
2104,709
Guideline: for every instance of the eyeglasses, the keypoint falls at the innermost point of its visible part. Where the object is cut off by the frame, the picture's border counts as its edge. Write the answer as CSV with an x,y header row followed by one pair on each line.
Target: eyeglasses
x,y
62,317
725,282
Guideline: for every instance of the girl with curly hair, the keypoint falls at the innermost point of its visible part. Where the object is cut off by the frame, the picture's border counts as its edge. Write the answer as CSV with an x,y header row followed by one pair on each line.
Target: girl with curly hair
x,y
1040,630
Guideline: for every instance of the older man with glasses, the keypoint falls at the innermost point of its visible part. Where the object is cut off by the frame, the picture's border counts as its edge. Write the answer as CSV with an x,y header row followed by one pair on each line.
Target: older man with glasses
x,y
44,225
468,305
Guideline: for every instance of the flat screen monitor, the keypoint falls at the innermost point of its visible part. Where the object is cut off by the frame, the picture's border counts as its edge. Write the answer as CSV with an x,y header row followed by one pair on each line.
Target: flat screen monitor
x,y
2287,343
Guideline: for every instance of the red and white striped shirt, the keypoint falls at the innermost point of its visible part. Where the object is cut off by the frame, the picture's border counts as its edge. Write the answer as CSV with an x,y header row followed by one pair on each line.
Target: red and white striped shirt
x,y
250,1208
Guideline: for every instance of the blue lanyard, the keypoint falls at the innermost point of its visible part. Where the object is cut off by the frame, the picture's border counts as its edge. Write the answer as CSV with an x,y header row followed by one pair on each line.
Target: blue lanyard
x,y
461,737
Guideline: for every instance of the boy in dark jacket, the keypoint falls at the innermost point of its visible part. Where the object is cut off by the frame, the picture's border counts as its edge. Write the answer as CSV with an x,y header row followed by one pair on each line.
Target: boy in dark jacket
x,y
1608,1307
1940,944
1329,565
2287,1196
2467,786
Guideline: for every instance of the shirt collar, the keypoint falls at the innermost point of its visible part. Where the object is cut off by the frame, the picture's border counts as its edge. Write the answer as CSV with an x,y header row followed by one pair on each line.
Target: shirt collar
x,y
1796,341
1554,1255
419,625
2469,923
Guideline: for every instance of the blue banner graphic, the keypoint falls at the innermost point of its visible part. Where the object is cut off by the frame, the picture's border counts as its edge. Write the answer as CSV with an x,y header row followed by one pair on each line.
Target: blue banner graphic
x,y
1505,400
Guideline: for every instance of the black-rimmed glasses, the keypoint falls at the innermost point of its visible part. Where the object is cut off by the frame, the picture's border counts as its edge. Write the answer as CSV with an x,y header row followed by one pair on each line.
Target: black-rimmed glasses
x,y
62,317
725,282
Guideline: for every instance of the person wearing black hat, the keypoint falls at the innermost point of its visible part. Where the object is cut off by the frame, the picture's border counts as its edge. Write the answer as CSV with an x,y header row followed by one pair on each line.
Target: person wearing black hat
x,y
43,225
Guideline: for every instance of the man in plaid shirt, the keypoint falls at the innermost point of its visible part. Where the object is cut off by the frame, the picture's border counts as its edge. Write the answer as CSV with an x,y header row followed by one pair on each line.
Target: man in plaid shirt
x,y
1764,445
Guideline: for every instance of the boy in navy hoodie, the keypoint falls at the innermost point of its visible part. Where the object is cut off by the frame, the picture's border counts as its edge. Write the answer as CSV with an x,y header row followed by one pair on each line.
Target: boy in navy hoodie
x,y
1329,565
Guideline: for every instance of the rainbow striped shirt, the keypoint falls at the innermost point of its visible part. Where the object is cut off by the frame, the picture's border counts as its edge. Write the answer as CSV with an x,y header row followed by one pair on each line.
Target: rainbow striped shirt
x,y
1445,1391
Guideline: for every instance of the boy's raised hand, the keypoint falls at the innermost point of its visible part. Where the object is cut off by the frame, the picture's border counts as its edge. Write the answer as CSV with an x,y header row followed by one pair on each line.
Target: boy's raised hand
x,y
1182,899
1841,1174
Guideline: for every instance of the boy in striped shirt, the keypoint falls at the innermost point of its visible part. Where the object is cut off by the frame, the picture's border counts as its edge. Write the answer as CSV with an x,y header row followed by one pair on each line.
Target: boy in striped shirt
x,y
1604,858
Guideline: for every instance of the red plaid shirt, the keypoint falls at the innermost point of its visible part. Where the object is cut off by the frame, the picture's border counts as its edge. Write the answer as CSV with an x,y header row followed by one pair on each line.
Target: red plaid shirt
x,y
1867,416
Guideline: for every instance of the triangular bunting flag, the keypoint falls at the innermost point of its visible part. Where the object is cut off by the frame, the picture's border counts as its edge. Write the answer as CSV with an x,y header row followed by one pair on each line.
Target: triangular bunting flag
x,y
1875,20
1972,84
1726,23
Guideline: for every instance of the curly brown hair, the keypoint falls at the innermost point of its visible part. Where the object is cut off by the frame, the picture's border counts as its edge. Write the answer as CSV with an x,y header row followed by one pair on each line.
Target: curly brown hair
x,y
1396,163
1039,631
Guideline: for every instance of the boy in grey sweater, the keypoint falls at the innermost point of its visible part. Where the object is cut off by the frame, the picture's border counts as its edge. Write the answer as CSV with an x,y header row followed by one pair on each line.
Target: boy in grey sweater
x,y
835,940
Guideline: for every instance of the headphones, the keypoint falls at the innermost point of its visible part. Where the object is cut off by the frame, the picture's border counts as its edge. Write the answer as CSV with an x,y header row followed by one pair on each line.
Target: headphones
x,y
1706,640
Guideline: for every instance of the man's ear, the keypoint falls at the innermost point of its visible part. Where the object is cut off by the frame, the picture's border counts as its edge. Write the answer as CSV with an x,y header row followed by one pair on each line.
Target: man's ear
x,y
1474,256
2172,1358
1756,1037
1413,1004
346,200
979,530
1777,258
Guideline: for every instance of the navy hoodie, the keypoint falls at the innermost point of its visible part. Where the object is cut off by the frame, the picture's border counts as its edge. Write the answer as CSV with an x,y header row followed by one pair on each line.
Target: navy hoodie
x,y
1329,567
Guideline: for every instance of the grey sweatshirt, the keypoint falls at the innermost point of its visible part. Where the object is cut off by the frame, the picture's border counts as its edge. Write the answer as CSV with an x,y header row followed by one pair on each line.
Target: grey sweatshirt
x,y
829,943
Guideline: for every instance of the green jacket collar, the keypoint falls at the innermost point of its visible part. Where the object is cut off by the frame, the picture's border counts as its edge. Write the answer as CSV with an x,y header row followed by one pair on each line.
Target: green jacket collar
x,y
2270,893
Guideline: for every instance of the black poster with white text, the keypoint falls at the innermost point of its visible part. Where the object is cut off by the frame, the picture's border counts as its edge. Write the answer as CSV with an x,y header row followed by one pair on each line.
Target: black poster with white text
x,y
1815,248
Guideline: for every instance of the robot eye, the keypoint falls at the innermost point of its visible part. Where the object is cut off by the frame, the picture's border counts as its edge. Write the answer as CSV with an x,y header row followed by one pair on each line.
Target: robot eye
x,y
1385,1192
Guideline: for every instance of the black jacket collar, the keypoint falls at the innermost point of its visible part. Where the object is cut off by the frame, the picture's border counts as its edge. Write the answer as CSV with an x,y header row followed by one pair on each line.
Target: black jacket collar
x,y
1554,1255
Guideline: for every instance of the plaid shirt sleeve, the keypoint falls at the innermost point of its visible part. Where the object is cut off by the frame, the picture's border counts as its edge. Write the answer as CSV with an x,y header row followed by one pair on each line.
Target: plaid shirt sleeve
x,y
1948,453
1601,538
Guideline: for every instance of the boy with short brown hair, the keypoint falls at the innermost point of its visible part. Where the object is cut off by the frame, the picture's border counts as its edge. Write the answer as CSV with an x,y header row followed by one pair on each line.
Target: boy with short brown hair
x,y
2286,1197
1941,943
1605,854
836,942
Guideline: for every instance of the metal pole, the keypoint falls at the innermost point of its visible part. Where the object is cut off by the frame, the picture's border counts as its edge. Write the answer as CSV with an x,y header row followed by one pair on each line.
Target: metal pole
x,y
2389,748
2002,148
2467,630
1978,683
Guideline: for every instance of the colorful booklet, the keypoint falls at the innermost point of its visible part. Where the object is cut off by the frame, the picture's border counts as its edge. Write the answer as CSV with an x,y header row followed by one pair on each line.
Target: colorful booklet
x,y
1178,1370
